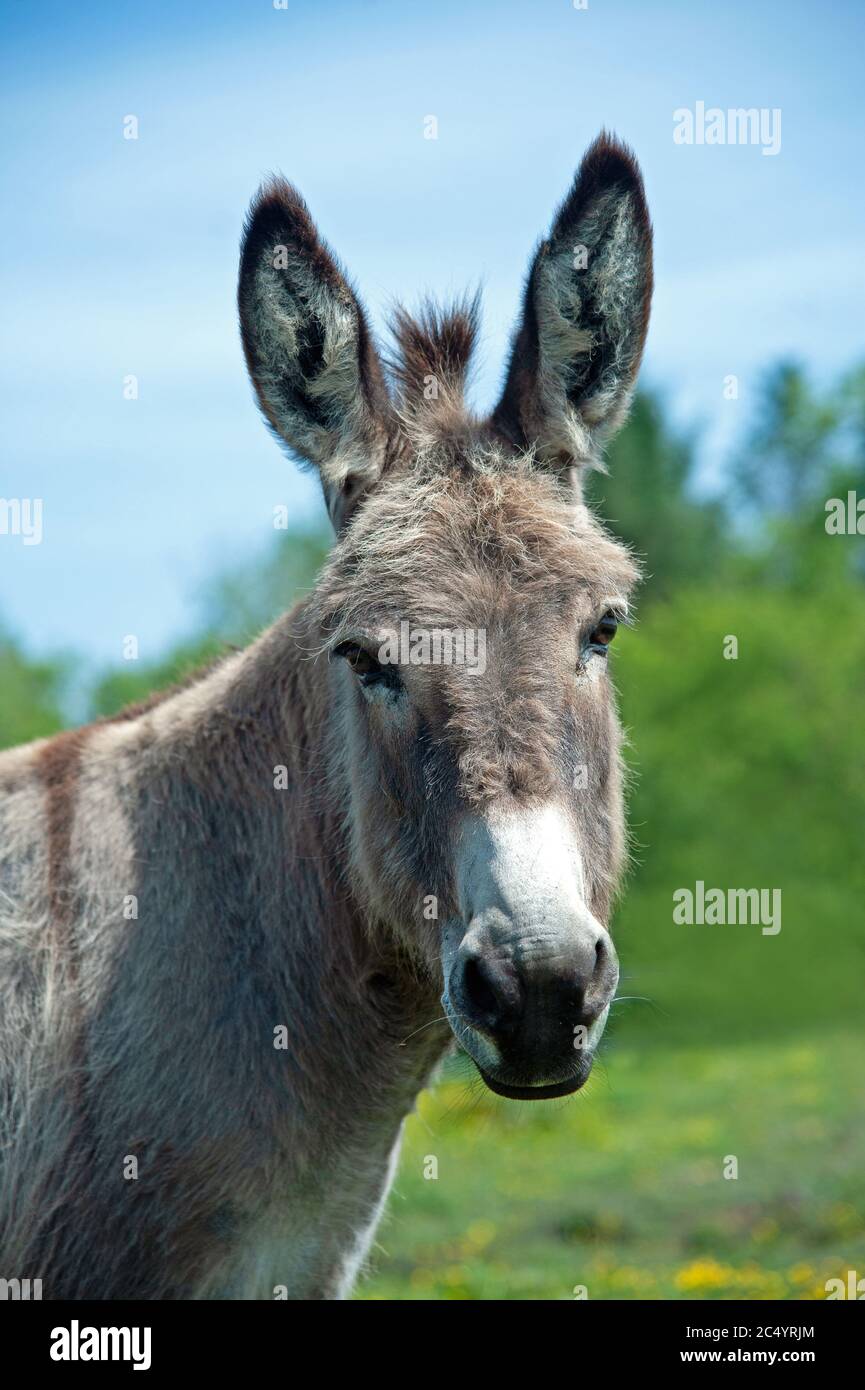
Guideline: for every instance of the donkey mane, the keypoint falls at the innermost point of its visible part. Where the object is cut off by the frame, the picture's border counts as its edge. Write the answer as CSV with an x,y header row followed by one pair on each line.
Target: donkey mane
x,y
431,363
190,678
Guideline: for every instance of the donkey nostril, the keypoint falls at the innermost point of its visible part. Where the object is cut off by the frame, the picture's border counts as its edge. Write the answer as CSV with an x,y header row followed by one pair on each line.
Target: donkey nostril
x,y
605,974
491,994
477,988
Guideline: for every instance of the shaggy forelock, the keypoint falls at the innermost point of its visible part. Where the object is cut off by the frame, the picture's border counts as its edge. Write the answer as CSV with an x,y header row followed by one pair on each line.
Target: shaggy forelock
x,y
453,540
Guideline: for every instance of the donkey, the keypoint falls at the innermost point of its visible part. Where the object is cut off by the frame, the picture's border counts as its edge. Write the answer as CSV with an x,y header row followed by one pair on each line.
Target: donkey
x,y
230,917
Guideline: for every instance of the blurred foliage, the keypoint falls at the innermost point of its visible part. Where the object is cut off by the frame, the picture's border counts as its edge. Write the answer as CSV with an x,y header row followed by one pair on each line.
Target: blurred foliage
x,y
796,447
647,498
31,693
805,448
748,773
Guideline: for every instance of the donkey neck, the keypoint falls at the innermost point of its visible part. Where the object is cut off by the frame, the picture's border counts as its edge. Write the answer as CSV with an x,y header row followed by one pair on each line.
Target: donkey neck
x,y
250,759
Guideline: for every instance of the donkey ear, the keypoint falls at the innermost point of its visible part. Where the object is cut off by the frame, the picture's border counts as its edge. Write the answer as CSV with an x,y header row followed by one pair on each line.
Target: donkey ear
x,y
585,313
309,349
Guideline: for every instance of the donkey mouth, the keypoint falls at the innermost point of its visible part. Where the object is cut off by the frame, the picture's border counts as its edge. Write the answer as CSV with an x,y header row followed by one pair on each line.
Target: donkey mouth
x,y
549,1092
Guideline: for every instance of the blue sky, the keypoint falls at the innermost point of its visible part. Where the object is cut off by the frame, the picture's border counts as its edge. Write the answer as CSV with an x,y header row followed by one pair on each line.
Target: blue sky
x,y
119,256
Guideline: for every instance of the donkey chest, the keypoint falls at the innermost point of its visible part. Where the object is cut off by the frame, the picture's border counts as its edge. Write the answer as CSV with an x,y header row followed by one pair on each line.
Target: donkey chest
x,y
310,1243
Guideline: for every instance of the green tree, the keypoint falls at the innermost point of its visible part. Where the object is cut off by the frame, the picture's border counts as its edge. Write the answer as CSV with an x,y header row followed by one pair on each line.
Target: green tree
x,y
31,693
807,446
649,500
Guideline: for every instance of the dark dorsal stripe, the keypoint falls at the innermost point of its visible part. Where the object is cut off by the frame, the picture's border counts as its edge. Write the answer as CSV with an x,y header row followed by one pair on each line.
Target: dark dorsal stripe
x,y
59,767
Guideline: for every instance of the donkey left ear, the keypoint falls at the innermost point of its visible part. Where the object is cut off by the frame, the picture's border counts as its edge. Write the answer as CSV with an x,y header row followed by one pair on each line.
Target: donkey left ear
x,y
309,349
577,350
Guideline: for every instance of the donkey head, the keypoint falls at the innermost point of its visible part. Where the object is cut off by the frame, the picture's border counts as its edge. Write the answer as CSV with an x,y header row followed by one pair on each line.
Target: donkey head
x,y
467,609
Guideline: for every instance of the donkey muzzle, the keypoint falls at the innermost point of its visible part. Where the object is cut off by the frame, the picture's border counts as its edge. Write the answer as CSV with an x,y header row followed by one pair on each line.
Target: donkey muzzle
x,y
533,1003
529,971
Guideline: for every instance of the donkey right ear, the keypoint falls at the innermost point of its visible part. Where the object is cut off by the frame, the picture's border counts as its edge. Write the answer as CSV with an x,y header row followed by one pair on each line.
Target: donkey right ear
x,y
309,349
577,350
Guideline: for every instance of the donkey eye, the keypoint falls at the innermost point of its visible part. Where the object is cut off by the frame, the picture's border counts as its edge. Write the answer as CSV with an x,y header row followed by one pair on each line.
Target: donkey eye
x,y
365,667
602,635
359,660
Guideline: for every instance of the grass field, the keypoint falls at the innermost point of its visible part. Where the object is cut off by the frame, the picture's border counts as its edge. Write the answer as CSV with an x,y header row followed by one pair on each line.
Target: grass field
x,y
621,1189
